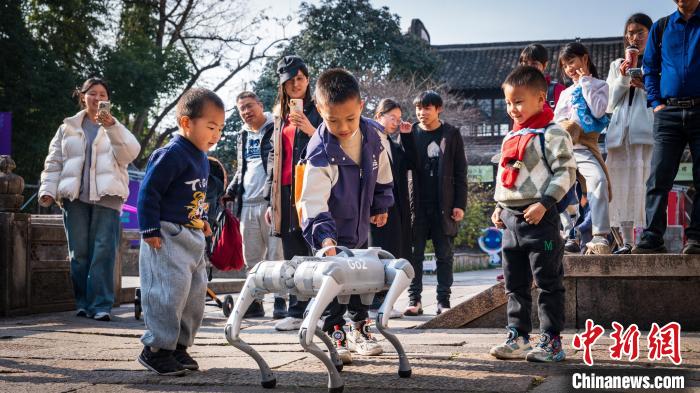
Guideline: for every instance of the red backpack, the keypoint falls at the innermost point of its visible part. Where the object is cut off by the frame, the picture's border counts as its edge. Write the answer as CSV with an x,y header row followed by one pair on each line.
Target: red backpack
x,y
227,243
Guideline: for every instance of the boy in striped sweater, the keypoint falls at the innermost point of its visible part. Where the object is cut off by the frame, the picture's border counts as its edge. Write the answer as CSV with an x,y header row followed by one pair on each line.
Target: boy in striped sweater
x,y
536,170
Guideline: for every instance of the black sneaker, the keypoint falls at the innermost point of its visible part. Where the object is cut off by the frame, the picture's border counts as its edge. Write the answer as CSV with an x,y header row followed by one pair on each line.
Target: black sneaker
x,y
255,310
414,308
162,362
692,247
644,247
572,246
184,358
280,310
442,306
624,250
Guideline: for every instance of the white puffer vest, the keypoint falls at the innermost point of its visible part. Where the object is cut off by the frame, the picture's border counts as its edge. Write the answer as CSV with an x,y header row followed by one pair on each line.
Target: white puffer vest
x,y
113,149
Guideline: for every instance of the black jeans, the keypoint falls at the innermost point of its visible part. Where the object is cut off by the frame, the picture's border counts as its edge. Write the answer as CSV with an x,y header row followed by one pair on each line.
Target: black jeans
x,y
429,226
674,128
293,244
533,251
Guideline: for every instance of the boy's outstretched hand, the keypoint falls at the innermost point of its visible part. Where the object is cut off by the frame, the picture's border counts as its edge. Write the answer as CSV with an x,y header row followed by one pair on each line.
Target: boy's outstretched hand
x,y
534,213
496,218
154,242
379,220
405,127
329,243
207,229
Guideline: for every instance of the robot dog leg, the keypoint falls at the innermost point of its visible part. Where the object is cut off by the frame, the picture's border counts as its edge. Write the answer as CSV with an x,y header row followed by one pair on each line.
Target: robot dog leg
x,y
233,329
329,289
398,274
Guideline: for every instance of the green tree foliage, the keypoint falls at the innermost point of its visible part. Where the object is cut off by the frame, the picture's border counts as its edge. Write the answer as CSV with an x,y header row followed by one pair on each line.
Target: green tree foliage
x,y
37,76
356,36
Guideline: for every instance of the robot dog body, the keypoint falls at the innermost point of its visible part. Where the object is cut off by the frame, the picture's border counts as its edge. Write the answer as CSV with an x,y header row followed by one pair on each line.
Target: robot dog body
x,y
321,279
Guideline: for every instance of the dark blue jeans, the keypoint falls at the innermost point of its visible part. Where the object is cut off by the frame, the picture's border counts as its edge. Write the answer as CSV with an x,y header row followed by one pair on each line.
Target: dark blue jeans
x,y
93,237
429,226
674,128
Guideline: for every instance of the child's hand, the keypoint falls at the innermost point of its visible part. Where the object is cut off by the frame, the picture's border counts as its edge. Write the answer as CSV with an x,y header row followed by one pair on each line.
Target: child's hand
x,y
207,229
534,213
329,243
379,219
583,71
405,127
496,218
457,214
154,242
300,121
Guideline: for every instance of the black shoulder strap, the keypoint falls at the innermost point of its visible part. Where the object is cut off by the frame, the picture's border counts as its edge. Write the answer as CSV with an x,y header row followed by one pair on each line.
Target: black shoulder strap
x,y
660,29
550,93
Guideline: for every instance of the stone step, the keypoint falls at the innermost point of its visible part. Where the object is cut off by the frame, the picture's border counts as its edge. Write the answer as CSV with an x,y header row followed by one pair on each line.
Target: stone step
x,y
218,285
639,289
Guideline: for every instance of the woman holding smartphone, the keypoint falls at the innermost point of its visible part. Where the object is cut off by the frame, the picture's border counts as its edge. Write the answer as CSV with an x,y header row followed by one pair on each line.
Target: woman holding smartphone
x,y
296,119
629,135
85,173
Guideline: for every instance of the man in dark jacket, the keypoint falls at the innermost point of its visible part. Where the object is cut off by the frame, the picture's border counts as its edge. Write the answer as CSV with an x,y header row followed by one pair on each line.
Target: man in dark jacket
x,y
435,153
247,191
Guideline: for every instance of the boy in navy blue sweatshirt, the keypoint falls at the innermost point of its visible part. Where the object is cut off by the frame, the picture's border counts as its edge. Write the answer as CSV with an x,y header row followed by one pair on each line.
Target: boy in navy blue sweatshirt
x,y
347,186
173,223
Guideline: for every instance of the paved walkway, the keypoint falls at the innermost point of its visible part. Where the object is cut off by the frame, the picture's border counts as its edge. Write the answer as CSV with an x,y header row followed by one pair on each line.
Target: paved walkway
x,y
62,353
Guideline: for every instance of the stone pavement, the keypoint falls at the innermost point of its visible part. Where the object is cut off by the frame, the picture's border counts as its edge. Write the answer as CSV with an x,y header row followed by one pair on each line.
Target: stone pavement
x,y
61,353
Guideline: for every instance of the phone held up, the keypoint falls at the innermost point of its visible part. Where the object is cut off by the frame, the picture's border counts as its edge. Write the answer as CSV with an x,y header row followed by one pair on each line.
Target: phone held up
x,y
635,73
296,105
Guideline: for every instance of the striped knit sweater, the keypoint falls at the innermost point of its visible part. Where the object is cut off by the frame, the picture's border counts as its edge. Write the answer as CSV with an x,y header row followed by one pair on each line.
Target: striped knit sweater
x,y
535,182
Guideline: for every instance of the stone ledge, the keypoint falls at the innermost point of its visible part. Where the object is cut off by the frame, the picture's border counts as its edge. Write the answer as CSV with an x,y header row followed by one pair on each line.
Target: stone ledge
x,y
652,265
628,288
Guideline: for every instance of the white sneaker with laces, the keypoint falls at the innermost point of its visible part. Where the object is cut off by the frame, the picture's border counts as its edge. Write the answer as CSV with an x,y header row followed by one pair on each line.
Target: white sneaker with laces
x,y
288,324
515,347
363,343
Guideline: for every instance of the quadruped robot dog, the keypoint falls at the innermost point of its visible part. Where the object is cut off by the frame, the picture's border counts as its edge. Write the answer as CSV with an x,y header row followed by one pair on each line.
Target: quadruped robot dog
x,y
321,278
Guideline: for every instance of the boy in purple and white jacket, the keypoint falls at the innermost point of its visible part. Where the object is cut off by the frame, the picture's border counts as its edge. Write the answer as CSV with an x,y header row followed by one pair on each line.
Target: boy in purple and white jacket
x,y
347,186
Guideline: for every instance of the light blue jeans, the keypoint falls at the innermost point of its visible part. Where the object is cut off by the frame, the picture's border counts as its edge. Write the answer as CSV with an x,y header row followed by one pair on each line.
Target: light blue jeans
x,y
93,238
597,190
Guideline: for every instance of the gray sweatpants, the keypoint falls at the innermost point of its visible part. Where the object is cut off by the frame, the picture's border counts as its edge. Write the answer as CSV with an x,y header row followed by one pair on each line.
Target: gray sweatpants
x,y
258,244
597,187
173,286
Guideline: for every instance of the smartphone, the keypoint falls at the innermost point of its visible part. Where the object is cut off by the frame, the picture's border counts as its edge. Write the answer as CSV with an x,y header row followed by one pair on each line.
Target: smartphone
x,y
635,72
296,105
104,107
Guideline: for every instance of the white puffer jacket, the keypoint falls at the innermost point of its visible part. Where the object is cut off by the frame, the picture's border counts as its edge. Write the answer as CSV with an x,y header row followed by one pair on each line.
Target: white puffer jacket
x,y
113,149
638,118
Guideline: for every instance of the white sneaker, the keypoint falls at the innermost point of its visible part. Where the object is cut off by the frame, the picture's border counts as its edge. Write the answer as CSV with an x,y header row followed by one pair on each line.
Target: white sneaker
x,y
341,346
102,316
288,324
363,343
515,347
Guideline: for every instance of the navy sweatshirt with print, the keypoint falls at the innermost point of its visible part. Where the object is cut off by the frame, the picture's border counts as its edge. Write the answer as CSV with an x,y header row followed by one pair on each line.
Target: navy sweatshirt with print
x,y
174,188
